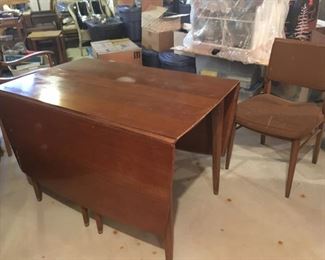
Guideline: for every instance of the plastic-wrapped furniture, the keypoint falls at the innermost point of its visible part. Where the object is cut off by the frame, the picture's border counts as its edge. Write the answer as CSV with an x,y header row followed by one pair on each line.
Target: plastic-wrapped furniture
x,y
297,63
241,30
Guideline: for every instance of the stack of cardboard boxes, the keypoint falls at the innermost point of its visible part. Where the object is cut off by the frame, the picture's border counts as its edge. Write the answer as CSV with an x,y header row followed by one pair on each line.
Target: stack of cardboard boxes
x,y
157,30
159,33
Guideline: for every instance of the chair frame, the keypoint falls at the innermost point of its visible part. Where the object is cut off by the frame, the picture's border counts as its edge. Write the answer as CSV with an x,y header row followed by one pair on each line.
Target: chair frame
x,y
100,6
296,144
80,31
48,54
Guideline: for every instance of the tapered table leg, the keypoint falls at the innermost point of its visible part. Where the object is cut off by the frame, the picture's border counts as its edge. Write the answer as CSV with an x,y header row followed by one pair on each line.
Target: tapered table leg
x,y
37,189
85,216
217,132
99,223
169,238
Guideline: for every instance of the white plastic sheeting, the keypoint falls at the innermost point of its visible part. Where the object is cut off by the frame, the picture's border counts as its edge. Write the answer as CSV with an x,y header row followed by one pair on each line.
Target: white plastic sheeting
x,y
240,30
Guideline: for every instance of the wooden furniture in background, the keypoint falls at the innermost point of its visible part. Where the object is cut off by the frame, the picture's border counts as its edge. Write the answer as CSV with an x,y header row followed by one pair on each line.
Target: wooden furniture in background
x,y
120,125
55,37
297,63
7,79
16,23
146,4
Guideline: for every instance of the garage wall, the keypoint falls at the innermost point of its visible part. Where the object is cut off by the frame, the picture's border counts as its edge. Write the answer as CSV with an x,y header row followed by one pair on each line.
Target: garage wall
x,y
45,5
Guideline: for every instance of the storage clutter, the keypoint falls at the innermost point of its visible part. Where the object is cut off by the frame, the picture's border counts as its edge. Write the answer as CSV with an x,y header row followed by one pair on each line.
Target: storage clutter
x,y
219,38
121,50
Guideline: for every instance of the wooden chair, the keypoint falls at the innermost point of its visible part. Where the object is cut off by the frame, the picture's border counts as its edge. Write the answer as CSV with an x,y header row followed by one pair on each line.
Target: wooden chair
x,y
10,65
82,33
297,63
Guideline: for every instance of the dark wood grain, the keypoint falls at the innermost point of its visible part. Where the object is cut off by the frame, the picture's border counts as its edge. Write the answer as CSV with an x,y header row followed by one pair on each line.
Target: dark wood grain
x,y
109,145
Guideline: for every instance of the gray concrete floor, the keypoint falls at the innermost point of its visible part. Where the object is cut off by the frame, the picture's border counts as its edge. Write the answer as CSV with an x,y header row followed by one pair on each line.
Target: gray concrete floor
x,y
250,219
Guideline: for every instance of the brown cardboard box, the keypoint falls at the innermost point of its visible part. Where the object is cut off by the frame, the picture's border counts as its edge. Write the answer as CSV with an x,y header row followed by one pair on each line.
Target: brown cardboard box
x,y
155,22
126,2
121,50
164,25
158,41
145,5
179,38
318,35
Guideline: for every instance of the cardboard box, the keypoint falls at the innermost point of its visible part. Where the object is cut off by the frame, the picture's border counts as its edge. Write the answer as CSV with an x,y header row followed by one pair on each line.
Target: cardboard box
x,y
155,22
121,50
158,41
318,35
179,38
126,2
147,4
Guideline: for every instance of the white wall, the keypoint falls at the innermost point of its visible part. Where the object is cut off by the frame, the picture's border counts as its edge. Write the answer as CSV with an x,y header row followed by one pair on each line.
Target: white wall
x,y
45,5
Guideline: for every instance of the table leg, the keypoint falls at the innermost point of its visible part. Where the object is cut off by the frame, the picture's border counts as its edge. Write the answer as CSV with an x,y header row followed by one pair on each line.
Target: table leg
x,y
33,44
85,216
99,223
64,53
217,117
58,46
169,237
37,189
20,34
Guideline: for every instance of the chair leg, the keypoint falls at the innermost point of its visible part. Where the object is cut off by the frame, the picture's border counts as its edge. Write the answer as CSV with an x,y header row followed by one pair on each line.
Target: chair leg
x,y
85,216
99,223
292,165
81,49
263,139
230,147
317,144
6,140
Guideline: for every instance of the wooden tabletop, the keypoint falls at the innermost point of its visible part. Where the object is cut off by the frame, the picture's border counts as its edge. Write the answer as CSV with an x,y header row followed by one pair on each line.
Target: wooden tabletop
x,y
43,35
161,103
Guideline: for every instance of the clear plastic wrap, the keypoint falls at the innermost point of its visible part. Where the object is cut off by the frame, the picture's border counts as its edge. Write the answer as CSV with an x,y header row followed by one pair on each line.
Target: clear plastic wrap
x,y
240,30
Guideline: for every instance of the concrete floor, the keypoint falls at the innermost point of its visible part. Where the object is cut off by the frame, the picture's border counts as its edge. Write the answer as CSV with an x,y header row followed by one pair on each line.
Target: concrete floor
x,y
250,219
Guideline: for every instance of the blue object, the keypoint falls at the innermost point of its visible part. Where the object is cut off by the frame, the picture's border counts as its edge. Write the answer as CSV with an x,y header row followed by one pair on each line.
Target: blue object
x,y
182,8
172,61
13,57
150,58
112,29
131,17
185,9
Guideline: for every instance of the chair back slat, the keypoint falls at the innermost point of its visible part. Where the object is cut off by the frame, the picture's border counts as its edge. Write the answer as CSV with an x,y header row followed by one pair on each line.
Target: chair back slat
x,y
298,63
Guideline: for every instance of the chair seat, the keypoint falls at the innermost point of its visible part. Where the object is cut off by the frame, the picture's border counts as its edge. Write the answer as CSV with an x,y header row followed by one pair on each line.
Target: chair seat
x,y
69,27
277,117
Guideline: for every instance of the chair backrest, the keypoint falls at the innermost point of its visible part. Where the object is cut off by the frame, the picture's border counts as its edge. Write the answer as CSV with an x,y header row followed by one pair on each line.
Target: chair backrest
x,y
109,7
96,7
25,70
73,12
298,63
